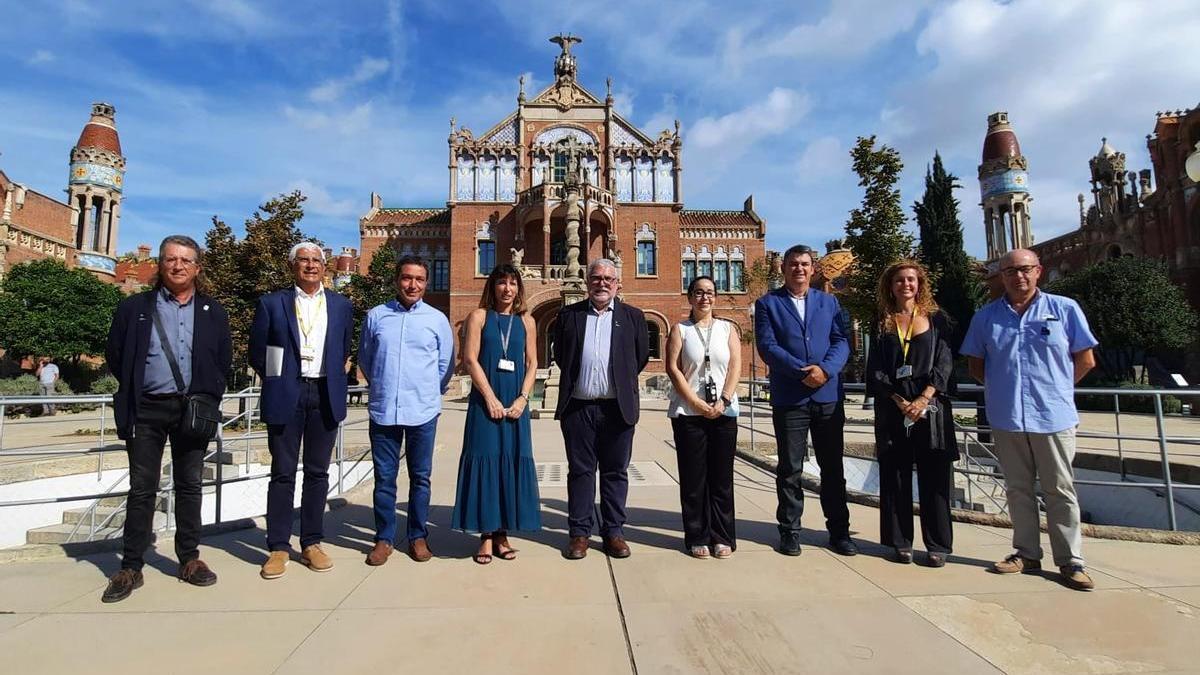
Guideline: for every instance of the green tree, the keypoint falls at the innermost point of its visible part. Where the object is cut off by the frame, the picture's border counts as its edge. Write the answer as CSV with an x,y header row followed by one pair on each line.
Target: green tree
x,y
761,276
375,287
957,289
1133,309
237,272
875,230
47,309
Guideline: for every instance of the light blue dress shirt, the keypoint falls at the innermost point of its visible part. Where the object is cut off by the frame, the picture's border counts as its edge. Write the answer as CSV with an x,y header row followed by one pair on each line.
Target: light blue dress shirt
x,y
594,381
1029,371
406,355
179,323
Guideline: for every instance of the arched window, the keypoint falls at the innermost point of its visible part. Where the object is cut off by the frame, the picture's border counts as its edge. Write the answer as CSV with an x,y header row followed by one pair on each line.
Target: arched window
x,y
655,342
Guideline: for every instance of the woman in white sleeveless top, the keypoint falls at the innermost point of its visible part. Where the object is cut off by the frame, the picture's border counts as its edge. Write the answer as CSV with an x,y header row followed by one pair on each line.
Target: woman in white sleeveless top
x,y
704,360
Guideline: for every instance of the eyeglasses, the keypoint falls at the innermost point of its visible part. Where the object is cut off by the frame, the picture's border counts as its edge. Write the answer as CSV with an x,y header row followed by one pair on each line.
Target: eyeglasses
x,y
1024,270
183,262
704,294
596,279
310,261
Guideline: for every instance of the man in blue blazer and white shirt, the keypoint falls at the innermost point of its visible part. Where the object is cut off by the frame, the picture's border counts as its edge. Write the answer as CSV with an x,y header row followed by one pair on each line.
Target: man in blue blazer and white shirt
x,y
801,336
299,345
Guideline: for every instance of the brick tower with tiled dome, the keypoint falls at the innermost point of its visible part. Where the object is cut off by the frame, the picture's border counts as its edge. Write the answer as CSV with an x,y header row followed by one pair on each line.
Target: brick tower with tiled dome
x,y
94,191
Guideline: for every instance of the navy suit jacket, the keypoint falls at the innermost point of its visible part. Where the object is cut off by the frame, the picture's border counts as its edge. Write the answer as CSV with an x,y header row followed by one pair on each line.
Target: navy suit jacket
x,y
627,356
788,344
129,342
275,325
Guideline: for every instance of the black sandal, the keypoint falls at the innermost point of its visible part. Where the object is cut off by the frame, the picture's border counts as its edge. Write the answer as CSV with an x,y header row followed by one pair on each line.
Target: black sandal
x,y
483,558
503,550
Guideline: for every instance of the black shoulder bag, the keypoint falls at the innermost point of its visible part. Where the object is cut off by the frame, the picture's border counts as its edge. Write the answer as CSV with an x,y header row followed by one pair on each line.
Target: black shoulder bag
x,y
201,412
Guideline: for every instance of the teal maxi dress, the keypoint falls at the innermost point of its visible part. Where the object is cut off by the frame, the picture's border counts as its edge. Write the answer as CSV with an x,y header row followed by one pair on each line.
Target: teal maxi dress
x,y
497,479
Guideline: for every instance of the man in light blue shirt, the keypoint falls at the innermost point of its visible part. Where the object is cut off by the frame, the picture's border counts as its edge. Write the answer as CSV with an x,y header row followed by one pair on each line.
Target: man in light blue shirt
x,y
406,352
1029,348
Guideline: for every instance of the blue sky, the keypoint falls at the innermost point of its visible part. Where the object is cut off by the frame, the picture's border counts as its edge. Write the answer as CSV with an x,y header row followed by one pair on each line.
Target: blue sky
x,y
224,103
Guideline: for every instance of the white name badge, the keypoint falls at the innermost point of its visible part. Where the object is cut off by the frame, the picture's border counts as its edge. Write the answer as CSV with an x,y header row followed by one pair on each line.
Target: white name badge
x,y
307,353
506,365
903,372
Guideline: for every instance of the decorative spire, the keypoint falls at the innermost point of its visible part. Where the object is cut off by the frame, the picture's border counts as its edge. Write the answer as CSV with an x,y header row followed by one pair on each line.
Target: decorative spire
x,y
564,65
608,97
521,93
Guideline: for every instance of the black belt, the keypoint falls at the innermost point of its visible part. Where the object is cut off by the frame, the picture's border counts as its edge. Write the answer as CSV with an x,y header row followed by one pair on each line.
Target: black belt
x,y
162,397
312,379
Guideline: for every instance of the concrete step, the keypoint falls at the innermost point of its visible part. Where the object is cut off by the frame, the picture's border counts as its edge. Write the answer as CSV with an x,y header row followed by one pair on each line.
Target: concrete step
x,y
58,534
72,516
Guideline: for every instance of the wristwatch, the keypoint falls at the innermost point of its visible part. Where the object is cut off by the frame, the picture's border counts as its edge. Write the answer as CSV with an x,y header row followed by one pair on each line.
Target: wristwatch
x,y
726,401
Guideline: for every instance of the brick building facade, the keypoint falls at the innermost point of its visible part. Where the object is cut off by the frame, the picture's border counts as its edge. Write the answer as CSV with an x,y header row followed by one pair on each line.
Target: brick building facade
x,y
565,155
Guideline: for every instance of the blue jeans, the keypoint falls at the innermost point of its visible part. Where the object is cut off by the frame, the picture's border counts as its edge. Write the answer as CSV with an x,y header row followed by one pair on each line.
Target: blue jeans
x,y
385,452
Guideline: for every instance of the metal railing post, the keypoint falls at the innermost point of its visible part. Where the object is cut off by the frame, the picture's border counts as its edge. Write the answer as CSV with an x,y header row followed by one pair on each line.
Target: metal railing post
x,y
220,465
2,407
1120,448
1166,461
341,456
100,460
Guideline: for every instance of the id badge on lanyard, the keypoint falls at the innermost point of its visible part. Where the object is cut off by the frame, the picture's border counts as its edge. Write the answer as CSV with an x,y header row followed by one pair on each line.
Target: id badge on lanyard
x,y
505,364
905,370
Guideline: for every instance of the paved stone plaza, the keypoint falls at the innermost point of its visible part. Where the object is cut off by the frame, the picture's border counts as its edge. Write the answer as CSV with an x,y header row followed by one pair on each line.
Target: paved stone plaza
x,y
656,612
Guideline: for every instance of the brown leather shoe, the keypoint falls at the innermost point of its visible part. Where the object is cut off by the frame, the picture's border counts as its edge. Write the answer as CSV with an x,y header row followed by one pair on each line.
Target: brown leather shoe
x,y
379,554
316,559
616,547
196,573
419,551
121,585
576,549
275,566
1015,564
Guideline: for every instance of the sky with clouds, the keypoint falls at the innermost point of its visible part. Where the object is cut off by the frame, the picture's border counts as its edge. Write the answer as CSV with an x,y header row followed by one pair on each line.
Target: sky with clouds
x,y
224,103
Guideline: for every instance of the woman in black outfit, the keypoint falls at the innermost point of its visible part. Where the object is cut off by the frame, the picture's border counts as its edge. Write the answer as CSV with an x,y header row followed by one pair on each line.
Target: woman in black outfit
x,y
909,369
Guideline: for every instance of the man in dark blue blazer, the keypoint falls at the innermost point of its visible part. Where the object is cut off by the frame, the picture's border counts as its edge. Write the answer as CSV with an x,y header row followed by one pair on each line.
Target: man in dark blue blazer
x,y
299,345
601,345
801,335
155,375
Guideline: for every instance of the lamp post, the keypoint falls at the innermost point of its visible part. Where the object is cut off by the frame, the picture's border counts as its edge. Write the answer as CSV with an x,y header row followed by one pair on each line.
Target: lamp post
x,y
1192,165
753,374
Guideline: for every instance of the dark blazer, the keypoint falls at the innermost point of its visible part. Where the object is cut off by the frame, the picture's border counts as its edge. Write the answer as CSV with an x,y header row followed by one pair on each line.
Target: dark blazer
x,y
628,354
787,344
934,367
275,325
129,341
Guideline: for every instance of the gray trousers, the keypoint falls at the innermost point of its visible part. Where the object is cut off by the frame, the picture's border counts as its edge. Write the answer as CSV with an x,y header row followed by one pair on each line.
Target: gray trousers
x,y
1046,458
47,390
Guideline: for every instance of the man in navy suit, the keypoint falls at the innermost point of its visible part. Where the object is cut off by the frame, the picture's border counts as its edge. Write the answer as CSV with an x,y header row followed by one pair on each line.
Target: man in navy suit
x,y
299,343
601,345
801,335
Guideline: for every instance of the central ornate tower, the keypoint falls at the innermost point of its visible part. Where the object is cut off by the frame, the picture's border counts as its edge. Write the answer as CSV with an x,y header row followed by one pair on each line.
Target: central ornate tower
x,y
1004,189
94,191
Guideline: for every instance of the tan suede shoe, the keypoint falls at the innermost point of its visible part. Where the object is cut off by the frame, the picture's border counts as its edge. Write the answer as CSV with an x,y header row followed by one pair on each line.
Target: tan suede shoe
x,y
316,559
275,566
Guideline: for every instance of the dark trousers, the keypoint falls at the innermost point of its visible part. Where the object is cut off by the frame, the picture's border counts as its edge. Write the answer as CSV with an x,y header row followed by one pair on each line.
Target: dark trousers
x,y
596,437
158,421
935,476
705,449
792,426
312,424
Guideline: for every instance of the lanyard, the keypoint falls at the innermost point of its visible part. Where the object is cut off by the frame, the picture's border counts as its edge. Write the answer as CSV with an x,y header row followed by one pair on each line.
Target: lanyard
x,y
905,340
705,339
304,318
505,335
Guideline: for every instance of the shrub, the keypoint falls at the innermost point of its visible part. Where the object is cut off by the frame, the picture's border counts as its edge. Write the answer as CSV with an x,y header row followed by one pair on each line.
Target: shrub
x,y
105,385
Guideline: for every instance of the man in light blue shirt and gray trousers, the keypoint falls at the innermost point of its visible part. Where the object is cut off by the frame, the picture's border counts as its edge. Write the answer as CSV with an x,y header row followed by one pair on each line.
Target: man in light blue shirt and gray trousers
x,y
406,352
1029,349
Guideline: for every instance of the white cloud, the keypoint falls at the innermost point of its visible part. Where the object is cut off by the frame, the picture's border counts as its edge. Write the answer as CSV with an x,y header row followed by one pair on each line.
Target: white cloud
x,y
735,131
349,121
331,90
623,99
821,159
40,56
320,202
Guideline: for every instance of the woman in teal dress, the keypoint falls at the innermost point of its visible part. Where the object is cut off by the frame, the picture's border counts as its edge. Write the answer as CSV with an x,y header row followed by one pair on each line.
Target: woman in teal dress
x,y
497,480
